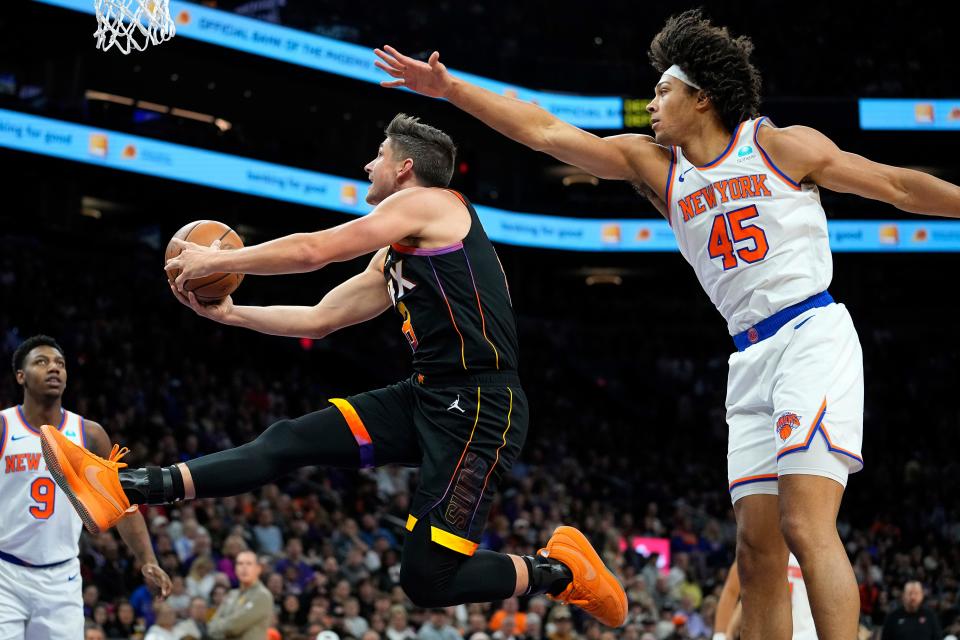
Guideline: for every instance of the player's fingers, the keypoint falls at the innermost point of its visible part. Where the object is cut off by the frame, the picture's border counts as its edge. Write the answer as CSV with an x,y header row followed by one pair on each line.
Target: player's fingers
x,y
173,263
179,282
390,60
399,56
194,303
393,72
392,83
434,59
183,244
179,296
216,244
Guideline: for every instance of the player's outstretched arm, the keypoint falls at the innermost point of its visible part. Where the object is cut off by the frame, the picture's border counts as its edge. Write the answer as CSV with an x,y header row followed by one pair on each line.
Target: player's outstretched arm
x,y
806,154
402,215
362,297
132,527
614,158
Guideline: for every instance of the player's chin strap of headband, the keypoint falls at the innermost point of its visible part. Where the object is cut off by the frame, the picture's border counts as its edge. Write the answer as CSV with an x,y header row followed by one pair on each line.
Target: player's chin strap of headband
x,y
678,73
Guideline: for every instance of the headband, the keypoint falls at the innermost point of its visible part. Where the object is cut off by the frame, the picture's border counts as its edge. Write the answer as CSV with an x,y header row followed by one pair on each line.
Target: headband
x,y
678,73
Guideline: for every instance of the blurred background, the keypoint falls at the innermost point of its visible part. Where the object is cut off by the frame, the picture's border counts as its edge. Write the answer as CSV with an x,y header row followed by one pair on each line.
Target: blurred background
x,y
104,156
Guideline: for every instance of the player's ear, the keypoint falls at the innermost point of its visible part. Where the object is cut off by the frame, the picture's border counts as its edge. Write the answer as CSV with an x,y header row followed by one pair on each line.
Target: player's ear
x,y
20,377
703,100
406,168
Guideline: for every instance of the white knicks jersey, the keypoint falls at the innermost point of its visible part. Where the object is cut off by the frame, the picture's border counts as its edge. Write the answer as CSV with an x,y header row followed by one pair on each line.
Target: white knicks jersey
x,y
803,627
39,525
757,240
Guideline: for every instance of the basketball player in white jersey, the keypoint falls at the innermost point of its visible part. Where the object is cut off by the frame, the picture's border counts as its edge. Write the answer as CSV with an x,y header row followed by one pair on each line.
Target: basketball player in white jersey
x,y
727,625
742,198
40,582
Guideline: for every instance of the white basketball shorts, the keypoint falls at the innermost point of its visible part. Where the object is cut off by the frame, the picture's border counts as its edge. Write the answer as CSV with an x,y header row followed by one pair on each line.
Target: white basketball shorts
x,y
795,403
40,604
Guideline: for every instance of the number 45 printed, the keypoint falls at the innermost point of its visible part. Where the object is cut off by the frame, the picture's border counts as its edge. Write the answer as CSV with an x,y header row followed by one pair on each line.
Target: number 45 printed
x,y
729,230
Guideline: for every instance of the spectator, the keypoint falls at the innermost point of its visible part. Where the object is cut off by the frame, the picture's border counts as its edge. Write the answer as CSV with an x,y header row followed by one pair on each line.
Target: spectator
x,y
100,615
354,624
680,630
183,543
534,627
507,630
476,622
247,610
195,626
398,628
914,620
290,612
93,631
126,624
91,595
162,629
178,599
438,627
201,578
217,596
510,608
293,566
233,545
563,624
267,536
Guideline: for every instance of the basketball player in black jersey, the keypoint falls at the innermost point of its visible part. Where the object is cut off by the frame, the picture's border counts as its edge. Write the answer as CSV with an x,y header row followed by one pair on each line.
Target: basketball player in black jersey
x,y
462,415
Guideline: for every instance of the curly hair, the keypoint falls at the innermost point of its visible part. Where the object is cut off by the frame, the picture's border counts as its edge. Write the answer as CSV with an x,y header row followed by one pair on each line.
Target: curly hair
x,y
715,60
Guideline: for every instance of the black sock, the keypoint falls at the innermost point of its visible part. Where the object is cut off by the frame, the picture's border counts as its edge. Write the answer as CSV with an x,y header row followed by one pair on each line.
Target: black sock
x,y
546,575
152,485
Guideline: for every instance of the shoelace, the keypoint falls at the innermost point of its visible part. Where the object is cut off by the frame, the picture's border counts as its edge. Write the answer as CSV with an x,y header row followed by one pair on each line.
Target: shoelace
x,y
565,595
116,453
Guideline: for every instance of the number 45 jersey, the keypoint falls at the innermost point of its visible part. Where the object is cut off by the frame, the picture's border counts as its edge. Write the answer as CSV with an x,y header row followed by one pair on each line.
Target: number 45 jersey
x,y
757,240
39,525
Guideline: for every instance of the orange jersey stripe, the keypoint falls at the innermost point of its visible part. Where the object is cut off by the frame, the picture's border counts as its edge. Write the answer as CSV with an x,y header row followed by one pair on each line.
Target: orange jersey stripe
x,y
766,476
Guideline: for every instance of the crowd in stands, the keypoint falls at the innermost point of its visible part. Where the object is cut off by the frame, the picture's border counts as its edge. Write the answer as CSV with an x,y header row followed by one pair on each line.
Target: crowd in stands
x,y
627,441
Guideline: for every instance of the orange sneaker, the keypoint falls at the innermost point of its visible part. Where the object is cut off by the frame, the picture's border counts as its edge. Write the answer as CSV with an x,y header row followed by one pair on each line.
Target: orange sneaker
x,y
593,588
91,483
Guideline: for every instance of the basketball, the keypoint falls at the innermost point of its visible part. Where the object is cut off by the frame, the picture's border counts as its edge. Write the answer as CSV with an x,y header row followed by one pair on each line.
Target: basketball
x,y
215,287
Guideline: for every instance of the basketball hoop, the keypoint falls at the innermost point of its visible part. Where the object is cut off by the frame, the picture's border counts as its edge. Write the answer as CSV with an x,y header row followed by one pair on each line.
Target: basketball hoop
x,y
132,24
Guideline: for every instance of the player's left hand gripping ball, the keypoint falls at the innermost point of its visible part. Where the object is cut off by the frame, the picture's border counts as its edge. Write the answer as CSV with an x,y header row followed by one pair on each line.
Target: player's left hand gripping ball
x,y
193,261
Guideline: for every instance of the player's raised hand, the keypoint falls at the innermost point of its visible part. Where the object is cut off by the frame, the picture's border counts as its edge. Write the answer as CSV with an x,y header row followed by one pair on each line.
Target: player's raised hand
x,y
217,311
193,261
429,78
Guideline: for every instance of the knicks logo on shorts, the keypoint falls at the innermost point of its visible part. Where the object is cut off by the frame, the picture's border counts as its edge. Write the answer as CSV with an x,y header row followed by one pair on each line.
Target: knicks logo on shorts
x,y
786,424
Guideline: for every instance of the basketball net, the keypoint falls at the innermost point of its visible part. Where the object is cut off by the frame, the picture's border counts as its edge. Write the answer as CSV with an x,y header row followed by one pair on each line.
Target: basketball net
x,y
132,24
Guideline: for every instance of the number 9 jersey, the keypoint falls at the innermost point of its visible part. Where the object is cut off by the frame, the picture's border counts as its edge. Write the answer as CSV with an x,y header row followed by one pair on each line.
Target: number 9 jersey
x,y
39,525
756,239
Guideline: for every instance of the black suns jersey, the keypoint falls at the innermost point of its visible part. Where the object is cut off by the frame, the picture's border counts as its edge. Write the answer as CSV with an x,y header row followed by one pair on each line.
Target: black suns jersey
x,y
455,304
